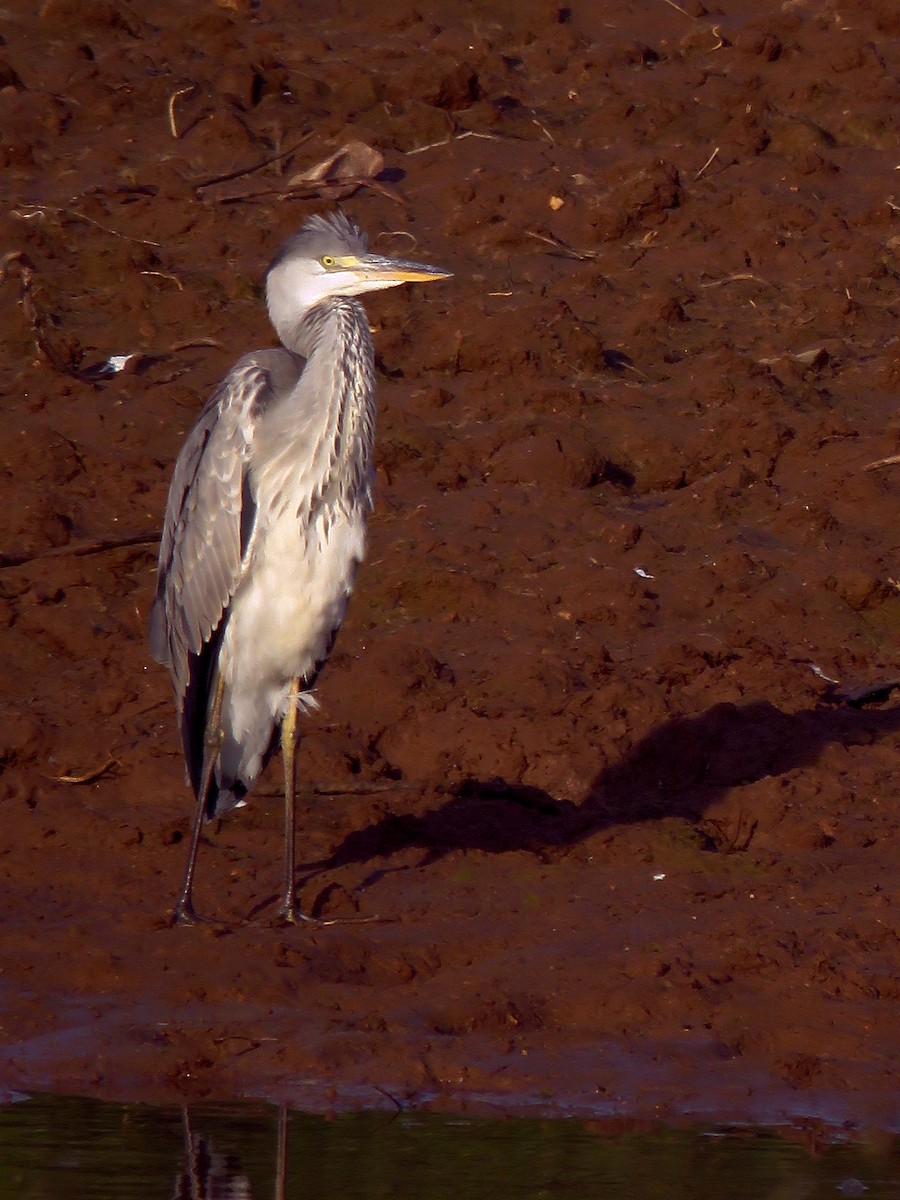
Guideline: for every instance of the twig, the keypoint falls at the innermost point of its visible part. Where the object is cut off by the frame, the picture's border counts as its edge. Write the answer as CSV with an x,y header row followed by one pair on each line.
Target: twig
x,y
684,11
891,461
457,137
88,776
327,189
707,163
392,233
207,183
181,92
41,210
741,275
80,549
71,212
171,278
194,344
543,128
559,244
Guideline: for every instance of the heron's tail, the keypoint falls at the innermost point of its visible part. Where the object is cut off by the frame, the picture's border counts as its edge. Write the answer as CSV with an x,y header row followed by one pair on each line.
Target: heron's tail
x,y
240,763
222,800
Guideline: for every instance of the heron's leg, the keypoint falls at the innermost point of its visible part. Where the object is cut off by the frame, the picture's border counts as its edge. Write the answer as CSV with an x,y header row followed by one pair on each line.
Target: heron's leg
x,y
281,1154
290,736
185,913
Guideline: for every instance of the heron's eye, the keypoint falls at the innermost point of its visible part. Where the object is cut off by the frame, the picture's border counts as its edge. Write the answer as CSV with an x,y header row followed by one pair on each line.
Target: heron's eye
x,y
327,260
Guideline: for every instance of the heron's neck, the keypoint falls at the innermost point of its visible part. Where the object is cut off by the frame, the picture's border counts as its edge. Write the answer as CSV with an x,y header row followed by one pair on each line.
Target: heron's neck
x,y
334,328
334,338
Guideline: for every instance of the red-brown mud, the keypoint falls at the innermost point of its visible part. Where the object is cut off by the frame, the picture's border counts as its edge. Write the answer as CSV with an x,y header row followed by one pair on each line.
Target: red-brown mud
x,y
577,742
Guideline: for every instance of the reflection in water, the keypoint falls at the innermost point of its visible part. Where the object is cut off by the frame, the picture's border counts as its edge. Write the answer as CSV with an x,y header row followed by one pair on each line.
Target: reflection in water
x,y
209,1175
62,1148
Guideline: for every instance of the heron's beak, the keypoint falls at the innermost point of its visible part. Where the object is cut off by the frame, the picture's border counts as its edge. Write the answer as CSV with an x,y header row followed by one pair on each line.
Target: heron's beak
x,y
375,269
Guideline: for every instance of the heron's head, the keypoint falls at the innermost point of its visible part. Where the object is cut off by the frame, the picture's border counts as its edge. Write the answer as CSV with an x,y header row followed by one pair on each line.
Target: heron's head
x,y
330,257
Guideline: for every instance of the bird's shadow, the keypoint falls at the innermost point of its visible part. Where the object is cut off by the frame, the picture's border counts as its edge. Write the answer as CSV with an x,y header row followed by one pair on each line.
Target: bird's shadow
x,y
679,769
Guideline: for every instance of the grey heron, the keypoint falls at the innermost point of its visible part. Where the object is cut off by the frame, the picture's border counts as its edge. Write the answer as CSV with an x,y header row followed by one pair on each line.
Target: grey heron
x,y
265,526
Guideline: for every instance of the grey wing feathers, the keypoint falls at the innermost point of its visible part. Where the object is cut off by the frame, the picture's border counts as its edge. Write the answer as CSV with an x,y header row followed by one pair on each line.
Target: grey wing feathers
x,y
201,554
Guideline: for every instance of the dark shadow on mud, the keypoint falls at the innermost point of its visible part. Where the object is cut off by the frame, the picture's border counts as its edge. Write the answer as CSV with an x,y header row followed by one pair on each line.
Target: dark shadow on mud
x,y
678,770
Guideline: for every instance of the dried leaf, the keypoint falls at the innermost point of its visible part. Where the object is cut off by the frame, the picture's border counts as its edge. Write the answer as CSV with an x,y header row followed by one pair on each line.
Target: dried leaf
x,y
351,165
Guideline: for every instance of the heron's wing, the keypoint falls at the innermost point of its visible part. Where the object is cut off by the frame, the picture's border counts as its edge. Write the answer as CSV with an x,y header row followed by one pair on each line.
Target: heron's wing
x,y
209,519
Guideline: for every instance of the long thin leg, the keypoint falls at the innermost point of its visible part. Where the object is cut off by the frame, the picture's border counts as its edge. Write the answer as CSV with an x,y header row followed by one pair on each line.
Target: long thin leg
x,y
290,736
281,1154
184,913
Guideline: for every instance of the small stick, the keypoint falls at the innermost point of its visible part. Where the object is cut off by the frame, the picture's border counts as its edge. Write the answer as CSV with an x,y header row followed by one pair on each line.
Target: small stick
x,y
544,130
88,776
71,212
684,11
458,137
707,163
891,461
41,210
206,183
389,233
741,275
80,549
324,189
181,92
194,344
552,240
171,278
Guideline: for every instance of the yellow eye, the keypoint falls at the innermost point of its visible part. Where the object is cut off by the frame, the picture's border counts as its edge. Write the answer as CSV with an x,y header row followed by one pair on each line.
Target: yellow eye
x,y
327,260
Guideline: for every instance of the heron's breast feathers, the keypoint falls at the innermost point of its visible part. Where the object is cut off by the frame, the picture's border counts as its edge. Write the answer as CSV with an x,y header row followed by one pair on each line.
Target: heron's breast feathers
x,y
312,458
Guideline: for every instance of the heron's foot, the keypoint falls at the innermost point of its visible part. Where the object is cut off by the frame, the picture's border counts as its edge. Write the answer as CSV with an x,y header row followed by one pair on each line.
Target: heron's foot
x,y
290,914
184,913
183,916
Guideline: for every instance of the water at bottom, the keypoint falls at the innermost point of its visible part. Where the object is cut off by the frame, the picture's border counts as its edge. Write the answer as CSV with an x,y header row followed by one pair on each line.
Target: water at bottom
x,y
61,1147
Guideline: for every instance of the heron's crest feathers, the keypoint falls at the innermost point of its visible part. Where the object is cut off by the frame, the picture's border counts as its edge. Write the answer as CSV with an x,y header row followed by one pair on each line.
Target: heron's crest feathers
x,y
322,234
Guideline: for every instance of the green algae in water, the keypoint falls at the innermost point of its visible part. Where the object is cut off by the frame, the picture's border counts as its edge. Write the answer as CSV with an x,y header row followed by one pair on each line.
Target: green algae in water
x,y
61,1148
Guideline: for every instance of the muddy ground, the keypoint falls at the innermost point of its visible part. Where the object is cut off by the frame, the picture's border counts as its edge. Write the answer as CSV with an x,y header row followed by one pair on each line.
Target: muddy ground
x,y
585,742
